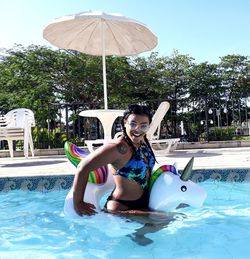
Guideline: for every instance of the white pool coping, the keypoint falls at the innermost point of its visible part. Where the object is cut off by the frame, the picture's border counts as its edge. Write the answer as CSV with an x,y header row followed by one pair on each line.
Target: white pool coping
x,y
59,164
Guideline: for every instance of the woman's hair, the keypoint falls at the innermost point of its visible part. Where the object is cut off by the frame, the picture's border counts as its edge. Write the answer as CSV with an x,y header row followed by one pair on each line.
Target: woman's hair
x,y
137,110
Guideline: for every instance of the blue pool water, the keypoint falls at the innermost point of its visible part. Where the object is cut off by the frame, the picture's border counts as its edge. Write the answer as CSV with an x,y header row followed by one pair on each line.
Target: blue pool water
x,y
33,225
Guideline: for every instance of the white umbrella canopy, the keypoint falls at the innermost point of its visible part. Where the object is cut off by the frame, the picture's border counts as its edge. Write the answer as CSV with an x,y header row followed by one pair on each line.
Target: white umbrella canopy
x,y
100,34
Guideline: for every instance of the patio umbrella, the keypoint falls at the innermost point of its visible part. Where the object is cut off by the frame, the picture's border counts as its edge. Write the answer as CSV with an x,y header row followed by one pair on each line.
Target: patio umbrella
x,y
100,34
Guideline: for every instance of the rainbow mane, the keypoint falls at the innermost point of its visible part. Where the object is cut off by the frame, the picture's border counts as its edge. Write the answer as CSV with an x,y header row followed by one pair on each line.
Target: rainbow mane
x,y
75,155
162,169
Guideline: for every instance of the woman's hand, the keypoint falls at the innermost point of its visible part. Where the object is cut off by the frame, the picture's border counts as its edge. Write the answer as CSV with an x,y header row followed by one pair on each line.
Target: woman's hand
x,y
84,208
107,154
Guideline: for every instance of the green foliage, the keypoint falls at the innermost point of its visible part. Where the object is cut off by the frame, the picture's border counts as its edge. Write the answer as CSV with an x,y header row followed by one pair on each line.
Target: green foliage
x,y
241,138
236,76
42,79
205,81
45,139
220,134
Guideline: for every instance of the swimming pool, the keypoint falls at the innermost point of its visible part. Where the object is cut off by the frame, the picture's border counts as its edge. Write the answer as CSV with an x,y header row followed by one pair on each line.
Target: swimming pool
x,y
32,223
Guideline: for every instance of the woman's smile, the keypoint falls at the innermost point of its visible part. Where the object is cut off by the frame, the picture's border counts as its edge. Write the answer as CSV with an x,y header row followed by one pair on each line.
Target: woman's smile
x,y
137,135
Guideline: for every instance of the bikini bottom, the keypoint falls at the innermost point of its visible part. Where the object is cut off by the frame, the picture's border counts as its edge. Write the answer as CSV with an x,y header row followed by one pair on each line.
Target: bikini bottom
x,y
141,203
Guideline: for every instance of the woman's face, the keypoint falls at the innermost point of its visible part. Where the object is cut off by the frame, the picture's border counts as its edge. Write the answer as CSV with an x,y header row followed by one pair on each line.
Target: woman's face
x,y
136,127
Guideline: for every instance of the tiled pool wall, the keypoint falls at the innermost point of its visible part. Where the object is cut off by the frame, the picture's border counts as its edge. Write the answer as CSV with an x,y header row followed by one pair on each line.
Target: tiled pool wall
x,y
224,175
37,183
64,182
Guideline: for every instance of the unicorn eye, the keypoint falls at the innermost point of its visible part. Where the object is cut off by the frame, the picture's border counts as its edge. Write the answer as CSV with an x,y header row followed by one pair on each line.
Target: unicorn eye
x,y
183,188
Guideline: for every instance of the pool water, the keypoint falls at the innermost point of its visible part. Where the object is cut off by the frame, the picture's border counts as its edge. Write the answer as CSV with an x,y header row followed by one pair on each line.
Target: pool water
x,y
33,225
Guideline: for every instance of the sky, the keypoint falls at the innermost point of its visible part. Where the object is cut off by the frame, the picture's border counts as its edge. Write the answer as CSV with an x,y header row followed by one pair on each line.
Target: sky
x,y
203,29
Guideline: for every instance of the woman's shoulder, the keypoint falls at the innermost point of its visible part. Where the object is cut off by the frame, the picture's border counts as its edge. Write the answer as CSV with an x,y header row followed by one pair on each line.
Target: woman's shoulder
x,y
120,145
115,151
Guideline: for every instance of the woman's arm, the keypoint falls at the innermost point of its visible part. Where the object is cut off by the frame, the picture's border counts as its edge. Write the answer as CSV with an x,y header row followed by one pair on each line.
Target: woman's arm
x,y
107,154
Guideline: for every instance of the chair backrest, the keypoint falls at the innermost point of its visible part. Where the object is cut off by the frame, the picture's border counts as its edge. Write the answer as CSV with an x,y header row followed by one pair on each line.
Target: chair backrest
x,y
156,120
20,118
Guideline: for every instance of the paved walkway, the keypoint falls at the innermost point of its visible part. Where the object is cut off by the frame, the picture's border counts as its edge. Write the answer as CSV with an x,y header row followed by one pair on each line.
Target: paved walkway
x,y
59,165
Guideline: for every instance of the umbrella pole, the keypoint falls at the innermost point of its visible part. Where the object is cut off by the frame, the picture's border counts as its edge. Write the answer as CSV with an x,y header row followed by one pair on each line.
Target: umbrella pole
x,y
104,69
104,82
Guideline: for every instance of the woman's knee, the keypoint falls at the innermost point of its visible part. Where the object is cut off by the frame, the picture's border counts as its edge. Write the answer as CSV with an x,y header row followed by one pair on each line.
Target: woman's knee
x,y
113,206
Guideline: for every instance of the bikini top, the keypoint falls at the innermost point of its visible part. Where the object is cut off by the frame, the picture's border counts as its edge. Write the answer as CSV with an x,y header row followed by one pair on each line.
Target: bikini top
x,y
138,165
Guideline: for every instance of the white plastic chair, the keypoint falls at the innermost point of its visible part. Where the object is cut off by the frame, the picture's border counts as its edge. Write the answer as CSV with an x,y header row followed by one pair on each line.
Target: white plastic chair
x,y
16,125
160,146
155,125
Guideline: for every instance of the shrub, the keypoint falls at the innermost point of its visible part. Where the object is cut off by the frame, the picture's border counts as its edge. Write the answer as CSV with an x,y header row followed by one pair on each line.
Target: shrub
x,y
221,134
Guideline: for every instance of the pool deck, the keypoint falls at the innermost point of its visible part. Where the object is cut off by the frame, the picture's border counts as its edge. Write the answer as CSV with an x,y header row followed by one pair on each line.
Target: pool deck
x,y
59,164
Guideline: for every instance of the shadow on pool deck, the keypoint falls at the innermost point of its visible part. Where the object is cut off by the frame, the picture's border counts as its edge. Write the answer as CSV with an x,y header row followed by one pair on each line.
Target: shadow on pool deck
x,y
33,163
198,153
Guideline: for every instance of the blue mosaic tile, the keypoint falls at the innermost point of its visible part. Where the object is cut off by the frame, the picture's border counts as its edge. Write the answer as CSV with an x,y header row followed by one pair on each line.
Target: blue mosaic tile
x,y
225,175
39,183
64,182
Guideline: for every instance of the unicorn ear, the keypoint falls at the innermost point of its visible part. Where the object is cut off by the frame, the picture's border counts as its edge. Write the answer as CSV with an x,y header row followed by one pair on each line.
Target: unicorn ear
x,y
187,170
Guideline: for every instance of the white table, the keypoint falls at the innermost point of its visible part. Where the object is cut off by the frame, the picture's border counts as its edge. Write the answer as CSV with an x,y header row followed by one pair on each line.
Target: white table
x,y
106,117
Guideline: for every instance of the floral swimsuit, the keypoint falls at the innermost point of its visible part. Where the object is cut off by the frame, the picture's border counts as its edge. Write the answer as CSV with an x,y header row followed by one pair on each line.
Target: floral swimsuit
x,y
136,170
137,167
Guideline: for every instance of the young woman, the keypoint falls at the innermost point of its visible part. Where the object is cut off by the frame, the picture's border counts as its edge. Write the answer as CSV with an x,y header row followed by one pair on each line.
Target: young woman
x,y
131,159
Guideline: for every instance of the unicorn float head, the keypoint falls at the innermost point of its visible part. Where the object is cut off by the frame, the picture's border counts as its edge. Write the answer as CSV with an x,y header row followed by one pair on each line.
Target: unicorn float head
x,y
168,188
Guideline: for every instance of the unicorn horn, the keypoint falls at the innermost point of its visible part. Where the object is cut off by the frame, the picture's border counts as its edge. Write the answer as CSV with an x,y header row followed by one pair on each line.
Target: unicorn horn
x,y
187,170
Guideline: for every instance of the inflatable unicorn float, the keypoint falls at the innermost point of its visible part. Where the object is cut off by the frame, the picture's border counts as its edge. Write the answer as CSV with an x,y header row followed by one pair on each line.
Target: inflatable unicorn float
x,y
168,188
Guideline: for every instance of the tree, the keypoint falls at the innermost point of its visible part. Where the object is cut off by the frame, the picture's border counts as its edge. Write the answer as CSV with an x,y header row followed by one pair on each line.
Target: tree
x,y
235,73
177,80
26,80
